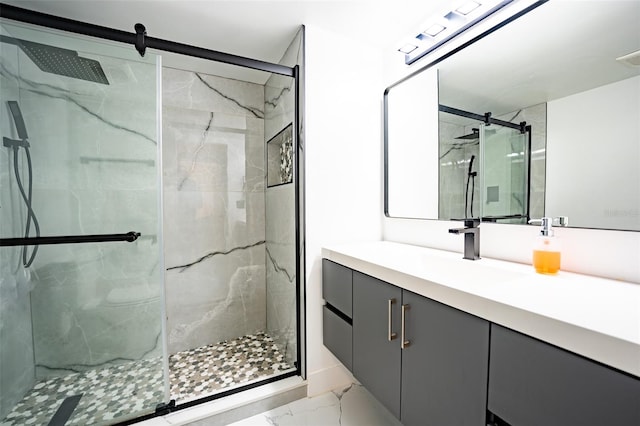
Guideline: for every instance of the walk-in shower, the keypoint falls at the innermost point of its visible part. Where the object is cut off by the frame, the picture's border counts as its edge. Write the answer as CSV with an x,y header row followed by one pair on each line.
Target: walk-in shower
x,y
168,263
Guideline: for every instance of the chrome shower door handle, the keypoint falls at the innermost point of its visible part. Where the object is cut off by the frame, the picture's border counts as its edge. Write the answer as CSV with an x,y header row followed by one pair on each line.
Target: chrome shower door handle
x,y
390,334
404,343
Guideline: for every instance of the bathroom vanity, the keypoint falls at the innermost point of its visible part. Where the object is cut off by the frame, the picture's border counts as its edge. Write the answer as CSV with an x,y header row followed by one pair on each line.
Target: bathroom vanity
x,y
440,340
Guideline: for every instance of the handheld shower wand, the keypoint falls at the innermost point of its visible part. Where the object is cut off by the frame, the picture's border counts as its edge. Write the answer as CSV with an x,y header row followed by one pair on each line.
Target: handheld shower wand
x,y
471,177
27,196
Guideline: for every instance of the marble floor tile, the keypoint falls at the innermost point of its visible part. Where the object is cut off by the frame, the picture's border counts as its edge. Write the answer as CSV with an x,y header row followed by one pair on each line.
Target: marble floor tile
x,y
351,406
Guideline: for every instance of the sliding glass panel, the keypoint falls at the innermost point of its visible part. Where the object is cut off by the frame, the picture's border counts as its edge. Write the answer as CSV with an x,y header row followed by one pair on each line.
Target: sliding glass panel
x,y
229,205
80,323
505,174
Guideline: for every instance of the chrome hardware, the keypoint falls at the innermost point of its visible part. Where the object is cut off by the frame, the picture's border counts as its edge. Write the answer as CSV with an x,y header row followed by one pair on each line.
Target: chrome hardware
x,y
404,342
391,335
547,224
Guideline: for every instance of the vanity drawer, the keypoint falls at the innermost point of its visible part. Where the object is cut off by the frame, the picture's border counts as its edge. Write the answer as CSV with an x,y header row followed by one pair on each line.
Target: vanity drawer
x,y
337,286
337,336
534,383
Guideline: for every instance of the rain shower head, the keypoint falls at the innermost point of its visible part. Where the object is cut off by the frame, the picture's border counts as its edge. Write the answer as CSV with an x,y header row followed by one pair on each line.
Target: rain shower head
x,y
475,134
56,60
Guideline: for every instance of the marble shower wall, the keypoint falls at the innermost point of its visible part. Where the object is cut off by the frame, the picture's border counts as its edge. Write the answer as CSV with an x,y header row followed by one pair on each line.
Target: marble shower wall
x,y
280,214
94,153
214,208
17,366
536,117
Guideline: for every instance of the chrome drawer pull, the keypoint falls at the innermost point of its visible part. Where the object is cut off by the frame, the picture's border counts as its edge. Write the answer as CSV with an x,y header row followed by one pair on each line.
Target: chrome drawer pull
x,y
404,342
391,335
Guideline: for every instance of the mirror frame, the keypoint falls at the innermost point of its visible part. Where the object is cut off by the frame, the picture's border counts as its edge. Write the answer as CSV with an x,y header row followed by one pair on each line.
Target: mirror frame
x,y
434,62
418,71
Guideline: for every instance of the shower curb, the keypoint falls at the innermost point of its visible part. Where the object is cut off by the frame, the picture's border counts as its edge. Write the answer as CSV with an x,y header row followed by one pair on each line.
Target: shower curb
x,y
236,407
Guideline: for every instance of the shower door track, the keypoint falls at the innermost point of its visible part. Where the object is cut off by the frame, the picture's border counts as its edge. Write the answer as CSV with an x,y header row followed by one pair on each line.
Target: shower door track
x,y
69,239
138,39
486,118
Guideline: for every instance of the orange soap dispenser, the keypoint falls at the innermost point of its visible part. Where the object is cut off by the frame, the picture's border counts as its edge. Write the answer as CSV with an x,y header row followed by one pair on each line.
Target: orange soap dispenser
x,y
547,247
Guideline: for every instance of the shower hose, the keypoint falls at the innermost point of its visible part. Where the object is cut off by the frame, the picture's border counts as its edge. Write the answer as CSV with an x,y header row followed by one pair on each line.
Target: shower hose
x,y
27,259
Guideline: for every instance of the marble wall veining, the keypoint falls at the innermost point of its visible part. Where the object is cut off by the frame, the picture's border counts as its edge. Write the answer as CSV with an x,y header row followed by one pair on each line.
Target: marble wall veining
x,y
17,371
280,214
536,117
214,208
95,156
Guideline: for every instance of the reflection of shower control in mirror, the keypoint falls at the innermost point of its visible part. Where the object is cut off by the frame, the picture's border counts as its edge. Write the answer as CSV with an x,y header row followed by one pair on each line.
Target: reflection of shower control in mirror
x,y
27,196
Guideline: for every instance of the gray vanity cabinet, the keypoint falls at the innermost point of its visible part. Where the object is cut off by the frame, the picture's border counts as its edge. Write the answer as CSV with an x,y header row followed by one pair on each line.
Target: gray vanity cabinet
x,y
376,339
534,383
336,314
440,377
445,365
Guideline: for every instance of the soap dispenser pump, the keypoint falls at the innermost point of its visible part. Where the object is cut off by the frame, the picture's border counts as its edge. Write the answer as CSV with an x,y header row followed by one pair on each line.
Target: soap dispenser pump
x,y
547,247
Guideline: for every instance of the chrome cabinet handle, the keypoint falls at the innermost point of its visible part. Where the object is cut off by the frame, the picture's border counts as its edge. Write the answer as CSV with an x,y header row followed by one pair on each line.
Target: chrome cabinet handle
x,y
391,335
404,343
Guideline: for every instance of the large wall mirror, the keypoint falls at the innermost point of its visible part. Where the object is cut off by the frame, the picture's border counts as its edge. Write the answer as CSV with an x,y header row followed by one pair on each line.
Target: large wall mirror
x,y
540,117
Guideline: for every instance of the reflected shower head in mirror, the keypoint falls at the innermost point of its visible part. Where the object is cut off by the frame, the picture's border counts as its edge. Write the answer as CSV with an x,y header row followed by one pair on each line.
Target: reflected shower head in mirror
x,y
475,134
56,60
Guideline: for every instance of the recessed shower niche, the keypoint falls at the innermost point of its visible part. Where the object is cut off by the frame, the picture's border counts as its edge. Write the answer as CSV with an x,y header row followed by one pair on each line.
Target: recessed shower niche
x,y
280,158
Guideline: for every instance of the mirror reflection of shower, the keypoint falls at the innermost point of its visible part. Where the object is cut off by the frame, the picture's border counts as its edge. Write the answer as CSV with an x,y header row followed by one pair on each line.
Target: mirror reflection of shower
x,y
484,167
27,196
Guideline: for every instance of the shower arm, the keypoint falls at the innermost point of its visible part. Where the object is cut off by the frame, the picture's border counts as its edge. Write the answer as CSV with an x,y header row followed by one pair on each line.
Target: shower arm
x,y
69,239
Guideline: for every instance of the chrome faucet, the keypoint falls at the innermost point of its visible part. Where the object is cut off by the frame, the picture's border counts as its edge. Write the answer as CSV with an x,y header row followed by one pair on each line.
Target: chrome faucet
x,y
471,238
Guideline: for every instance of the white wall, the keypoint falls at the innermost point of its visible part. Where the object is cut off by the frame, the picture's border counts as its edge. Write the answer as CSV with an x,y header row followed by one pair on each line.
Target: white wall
x,y
343,171
344,187
589,146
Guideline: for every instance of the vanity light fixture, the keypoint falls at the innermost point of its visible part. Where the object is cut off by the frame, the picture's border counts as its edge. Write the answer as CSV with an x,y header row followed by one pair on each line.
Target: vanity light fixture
x,y
441,29
408,48
434,30
468,7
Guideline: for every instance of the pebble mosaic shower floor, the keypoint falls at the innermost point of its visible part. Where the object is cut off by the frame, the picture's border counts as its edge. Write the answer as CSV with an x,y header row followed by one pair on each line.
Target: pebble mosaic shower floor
x,y
112,392
200,372
106,394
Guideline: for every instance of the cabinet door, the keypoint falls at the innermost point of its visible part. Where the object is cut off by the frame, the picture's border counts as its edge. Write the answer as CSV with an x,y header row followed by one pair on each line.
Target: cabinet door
x,y
533,383
376,360
445,366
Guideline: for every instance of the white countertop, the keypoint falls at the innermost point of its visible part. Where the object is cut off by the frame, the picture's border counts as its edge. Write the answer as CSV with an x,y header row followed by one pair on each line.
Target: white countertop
x,y
594,317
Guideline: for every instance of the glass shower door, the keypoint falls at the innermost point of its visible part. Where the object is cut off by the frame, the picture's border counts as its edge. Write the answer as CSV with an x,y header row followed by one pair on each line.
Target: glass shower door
x,y
505,174
81,323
